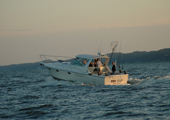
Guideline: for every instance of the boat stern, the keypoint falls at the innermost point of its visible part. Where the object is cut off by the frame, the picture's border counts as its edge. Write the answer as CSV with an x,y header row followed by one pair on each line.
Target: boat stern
x,y
116,79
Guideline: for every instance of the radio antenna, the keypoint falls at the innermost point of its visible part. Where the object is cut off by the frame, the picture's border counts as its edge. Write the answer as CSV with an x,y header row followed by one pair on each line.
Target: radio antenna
x,y
124,56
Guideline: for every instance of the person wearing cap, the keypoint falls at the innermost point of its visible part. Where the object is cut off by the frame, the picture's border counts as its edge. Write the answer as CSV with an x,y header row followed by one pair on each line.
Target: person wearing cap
x,y
113,68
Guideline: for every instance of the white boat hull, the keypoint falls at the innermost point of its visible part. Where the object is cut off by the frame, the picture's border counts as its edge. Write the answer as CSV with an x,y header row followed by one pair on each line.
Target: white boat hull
x,y
89,79
87,69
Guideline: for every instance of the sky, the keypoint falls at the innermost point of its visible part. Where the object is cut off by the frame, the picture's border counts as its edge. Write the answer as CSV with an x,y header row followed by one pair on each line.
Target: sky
x,y
29,28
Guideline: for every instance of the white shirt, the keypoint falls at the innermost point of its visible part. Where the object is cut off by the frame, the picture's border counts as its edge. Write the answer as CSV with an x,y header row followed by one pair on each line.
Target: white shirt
x,y
99,63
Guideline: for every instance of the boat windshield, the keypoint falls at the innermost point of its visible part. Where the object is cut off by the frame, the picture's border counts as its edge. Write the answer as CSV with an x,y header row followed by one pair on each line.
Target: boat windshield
x,y
80,62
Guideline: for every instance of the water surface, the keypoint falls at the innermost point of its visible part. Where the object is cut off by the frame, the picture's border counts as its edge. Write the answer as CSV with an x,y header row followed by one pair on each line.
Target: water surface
x,y
36,95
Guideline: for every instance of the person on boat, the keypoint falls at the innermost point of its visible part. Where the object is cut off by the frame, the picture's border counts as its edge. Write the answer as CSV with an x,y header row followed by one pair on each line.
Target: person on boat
x,y
113,68
99,63
95,64
91,64
84,61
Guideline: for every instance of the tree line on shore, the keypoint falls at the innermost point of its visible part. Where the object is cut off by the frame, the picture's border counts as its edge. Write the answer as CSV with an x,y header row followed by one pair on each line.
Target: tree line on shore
x,y
162,55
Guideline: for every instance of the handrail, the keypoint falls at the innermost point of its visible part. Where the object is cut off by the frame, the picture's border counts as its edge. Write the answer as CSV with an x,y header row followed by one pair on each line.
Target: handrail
x,y
45,58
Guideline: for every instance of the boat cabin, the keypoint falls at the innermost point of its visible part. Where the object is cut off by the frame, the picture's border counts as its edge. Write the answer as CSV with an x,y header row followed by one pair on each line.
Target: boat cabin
x,y
95,64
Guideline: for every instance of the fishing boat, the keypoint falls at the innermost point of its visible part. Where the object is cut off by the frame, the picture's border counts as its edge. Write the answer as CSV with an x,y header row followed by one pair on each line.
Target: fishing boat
x,y
83,69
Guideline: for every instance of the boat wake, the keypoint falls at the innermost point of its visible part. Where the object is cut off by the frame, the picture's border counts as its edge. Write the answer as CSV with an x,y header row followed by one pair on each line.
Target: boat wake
x,y
148,81
131,81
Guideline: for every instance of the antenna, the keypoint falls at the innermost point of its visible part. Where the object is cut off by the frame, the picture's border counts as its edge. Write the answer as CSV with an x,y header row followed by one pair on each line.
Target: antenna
x,y
124,56
99,49
119,57
95,41
109,41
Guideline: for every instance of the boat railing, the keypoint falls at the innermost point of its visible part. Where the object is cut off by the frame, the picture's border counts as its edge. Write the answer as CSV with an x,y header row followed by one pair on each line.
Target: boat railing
x,y
48,59
55,59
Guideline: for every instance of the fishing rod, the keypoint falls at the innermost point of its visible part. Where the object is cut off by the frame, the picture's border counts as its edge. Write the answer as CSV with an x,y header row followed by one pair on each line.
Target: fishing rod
x,y
119,57
113,48
124,56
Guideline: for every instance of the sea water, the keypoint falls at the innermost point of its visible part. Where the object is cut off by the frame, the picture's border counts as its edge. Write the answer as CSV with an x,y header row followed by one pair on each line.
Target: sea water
x,y
34,94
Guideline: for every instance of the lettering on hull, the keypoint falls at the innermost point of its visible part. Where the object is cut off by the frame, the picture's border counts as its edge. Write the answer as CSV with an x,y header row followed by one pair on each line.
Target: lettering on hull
x,y
120,80
113,80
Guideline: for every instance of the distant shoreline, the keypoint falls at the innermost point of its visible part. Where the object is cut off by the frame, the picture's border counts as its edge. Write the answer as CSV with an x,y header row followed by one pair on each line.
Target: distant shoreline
x,y
136,57
162,55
